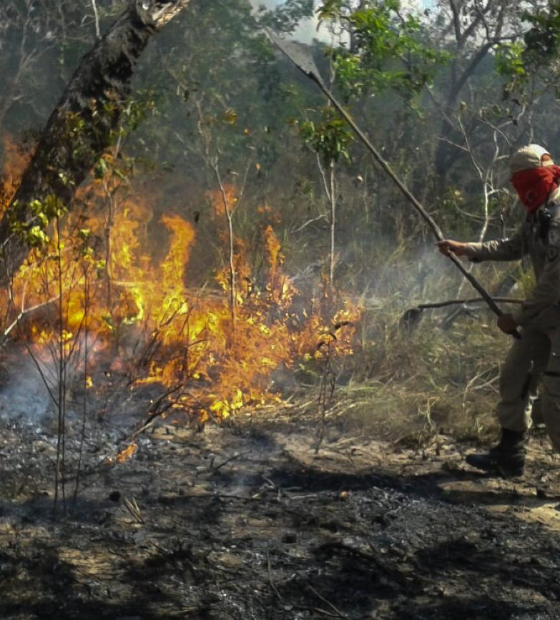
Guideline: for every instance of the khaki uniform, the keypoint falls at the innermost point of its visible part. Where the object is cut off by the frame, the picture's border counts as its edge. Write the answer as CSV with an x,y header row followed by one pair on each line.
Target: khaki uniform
x,y
538,352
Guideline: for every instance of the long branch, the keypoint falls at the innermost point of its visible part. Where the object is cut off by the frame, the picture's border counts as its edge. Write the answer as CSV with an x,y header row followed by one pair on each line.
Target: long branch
x,y
231,253
24,313
471,300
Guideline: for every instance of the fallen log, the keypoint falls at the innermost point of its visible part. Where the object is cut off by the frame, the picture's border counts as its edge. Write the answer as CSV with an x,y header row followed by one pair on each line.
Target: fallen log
x,y
80,128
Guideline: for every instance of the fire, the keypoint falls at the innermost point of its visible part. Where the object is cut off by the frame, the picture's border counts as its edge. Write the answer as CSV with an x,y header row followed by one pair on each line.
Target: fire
x,y
126,454
128,285
14,165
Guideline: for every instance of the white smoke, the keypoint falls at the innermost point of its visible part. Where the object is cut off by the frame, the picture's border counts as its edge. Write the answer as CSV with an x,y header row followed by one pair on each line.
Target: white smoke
x,y
24,395
30,381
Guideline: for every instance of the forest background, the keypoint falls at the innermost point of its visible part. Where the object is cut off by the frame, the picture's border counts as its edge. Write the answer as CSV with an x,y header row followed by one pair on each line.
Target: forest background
x,y
447,90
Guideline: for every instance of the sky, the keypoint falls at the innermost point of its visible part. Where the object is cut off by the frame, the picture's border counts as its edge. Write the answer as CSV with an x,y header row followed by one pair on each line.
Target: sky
x,y
307,30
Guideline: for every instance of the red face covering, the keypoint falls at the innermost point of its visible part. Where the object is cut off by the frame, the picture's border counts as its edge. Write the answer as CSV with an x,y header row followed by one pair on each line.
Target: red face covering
x,y
534,186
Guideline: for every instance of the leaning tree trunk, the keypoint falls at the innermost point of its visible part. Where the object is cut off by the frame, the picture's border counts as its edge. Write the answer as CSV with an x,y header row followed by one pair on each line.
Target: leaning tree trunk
x,y
80,128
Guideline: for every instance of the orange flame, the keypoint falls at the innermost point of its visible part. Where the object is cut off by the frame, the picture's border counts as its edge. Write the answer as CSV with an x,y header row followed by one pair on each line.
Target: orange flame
x,y
128,453
15,162
139,301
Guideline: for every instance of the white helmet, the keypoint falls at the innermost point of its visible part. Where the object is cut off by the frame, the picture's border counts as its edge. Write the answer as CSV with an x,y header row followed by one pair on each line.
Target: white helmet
x,y
527,158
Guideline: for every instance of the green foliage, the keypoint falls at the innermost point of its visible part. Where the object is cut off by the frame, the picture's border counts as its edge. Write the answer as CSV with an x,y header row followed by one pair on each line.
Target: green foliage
x,y
542,41
536,56
137,109
331,10
388,50
510,62
330,136
34,231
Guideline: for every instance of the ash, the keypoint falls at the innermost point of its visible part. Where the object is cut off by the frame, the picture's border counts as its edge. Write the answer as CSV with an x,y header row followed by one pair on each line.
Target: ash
x,y
245,520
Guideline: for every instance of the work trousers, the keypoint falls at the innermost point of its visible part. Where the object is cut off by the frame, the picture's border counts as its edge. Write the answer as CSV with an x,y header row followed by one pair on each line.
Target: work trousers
x,y
535,356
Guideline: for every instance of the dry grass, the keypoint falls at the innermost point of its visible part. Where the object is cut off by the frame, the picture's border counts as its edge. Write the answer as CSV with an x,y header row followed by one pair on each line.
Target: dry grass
x,y
408,386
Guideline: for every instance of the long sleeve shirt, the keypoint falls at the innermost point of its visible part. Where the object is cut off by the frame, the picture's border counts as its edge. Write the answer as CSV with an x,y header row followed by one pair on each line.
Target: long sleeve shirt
x,y
539,237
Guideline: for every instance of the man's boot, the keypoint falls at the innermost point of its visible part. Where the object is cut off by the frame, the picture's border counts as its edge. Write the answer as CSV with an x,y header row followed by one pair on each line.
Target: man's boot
x,y
506,459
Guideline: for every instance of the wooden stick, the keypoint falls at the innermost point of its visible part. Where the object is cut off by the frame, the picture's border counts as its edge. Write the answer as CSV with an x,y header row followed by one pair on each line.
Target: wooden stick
x,y
338,613
272,585
412,199
307,66
472,300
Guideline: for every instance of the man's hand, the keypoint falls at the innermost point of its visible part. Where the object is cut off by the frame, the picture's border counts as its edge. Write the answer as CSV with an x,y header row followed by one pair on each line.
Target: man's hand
x,y
507,324
448,246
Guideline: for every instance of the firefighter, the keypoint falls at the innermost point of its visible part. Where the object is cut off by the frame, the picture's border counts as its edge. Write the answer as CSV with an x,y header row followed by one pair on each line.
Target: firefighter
x,y
536,180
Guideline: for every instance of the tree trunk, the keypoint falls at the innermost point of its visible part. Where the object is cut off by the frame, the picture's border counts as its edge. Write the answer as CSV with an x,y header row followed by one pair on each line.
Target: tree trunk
x,y
81,126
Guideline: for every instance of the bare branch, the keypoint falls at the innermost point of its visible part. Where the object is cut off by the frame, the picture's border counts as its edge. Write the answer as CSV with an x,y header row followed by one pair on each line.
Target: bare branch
x,y
96,19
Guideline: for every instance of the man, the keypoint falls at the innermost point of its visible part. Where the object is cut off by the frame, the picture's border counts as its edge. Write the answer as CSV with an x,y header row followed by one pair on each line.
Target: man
x,y
537,182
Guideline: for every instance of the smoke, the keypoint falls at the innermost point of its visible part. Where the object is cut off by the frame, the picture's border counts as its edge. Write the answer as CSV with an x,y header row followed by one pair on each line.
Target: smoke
x,y
306,31
24,395
30,380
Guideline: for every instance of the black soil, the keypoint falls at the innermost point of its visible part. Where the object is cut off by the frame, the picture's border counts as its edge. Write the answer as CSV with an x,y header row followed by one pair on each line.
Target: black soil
x,y
246,521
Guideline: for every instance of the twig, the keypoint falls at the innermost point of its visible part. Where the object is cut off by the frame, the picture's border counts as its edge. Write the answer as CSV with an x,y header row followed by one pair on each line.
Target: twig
x,y
25,312
334,545
322,598
235,456
243,498
96,16
85,387
324,612
271,483
272,585
154,412
229,211
134,510
309,222
62,380
326,393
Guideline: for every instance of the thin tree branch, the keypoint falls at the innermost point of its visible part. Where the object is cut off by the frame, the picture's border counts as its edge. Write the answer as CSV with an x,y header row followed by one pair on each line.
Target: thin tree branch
x,y
96,18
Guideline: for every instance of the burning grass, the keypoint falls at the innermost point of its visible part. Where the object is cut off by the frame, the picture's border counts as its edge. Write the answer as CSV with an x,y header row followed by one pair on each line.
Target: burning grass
x,y
121,288
115,287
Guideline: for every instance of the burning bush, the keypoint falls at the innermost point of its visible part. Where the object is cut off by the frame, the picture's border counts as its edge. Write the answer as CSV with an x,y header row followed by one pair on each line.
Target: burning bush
x,y
100,276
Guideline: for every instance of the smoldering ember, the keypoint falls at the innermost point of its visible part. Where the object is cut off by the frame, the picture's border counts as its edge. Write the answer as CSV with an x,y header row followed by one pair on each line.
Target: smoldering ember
x,y
279,309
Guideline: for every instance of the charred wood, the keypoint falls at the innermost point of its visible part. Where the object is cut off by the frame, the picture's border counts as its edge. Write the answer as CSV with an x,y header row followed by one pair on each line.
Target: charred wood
x,y
82,125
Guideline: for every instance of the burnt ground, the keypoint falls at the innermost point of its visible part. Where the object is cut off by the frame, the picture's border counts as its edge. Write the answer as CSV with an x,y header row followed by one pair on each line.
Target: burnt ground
x,y
245,521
